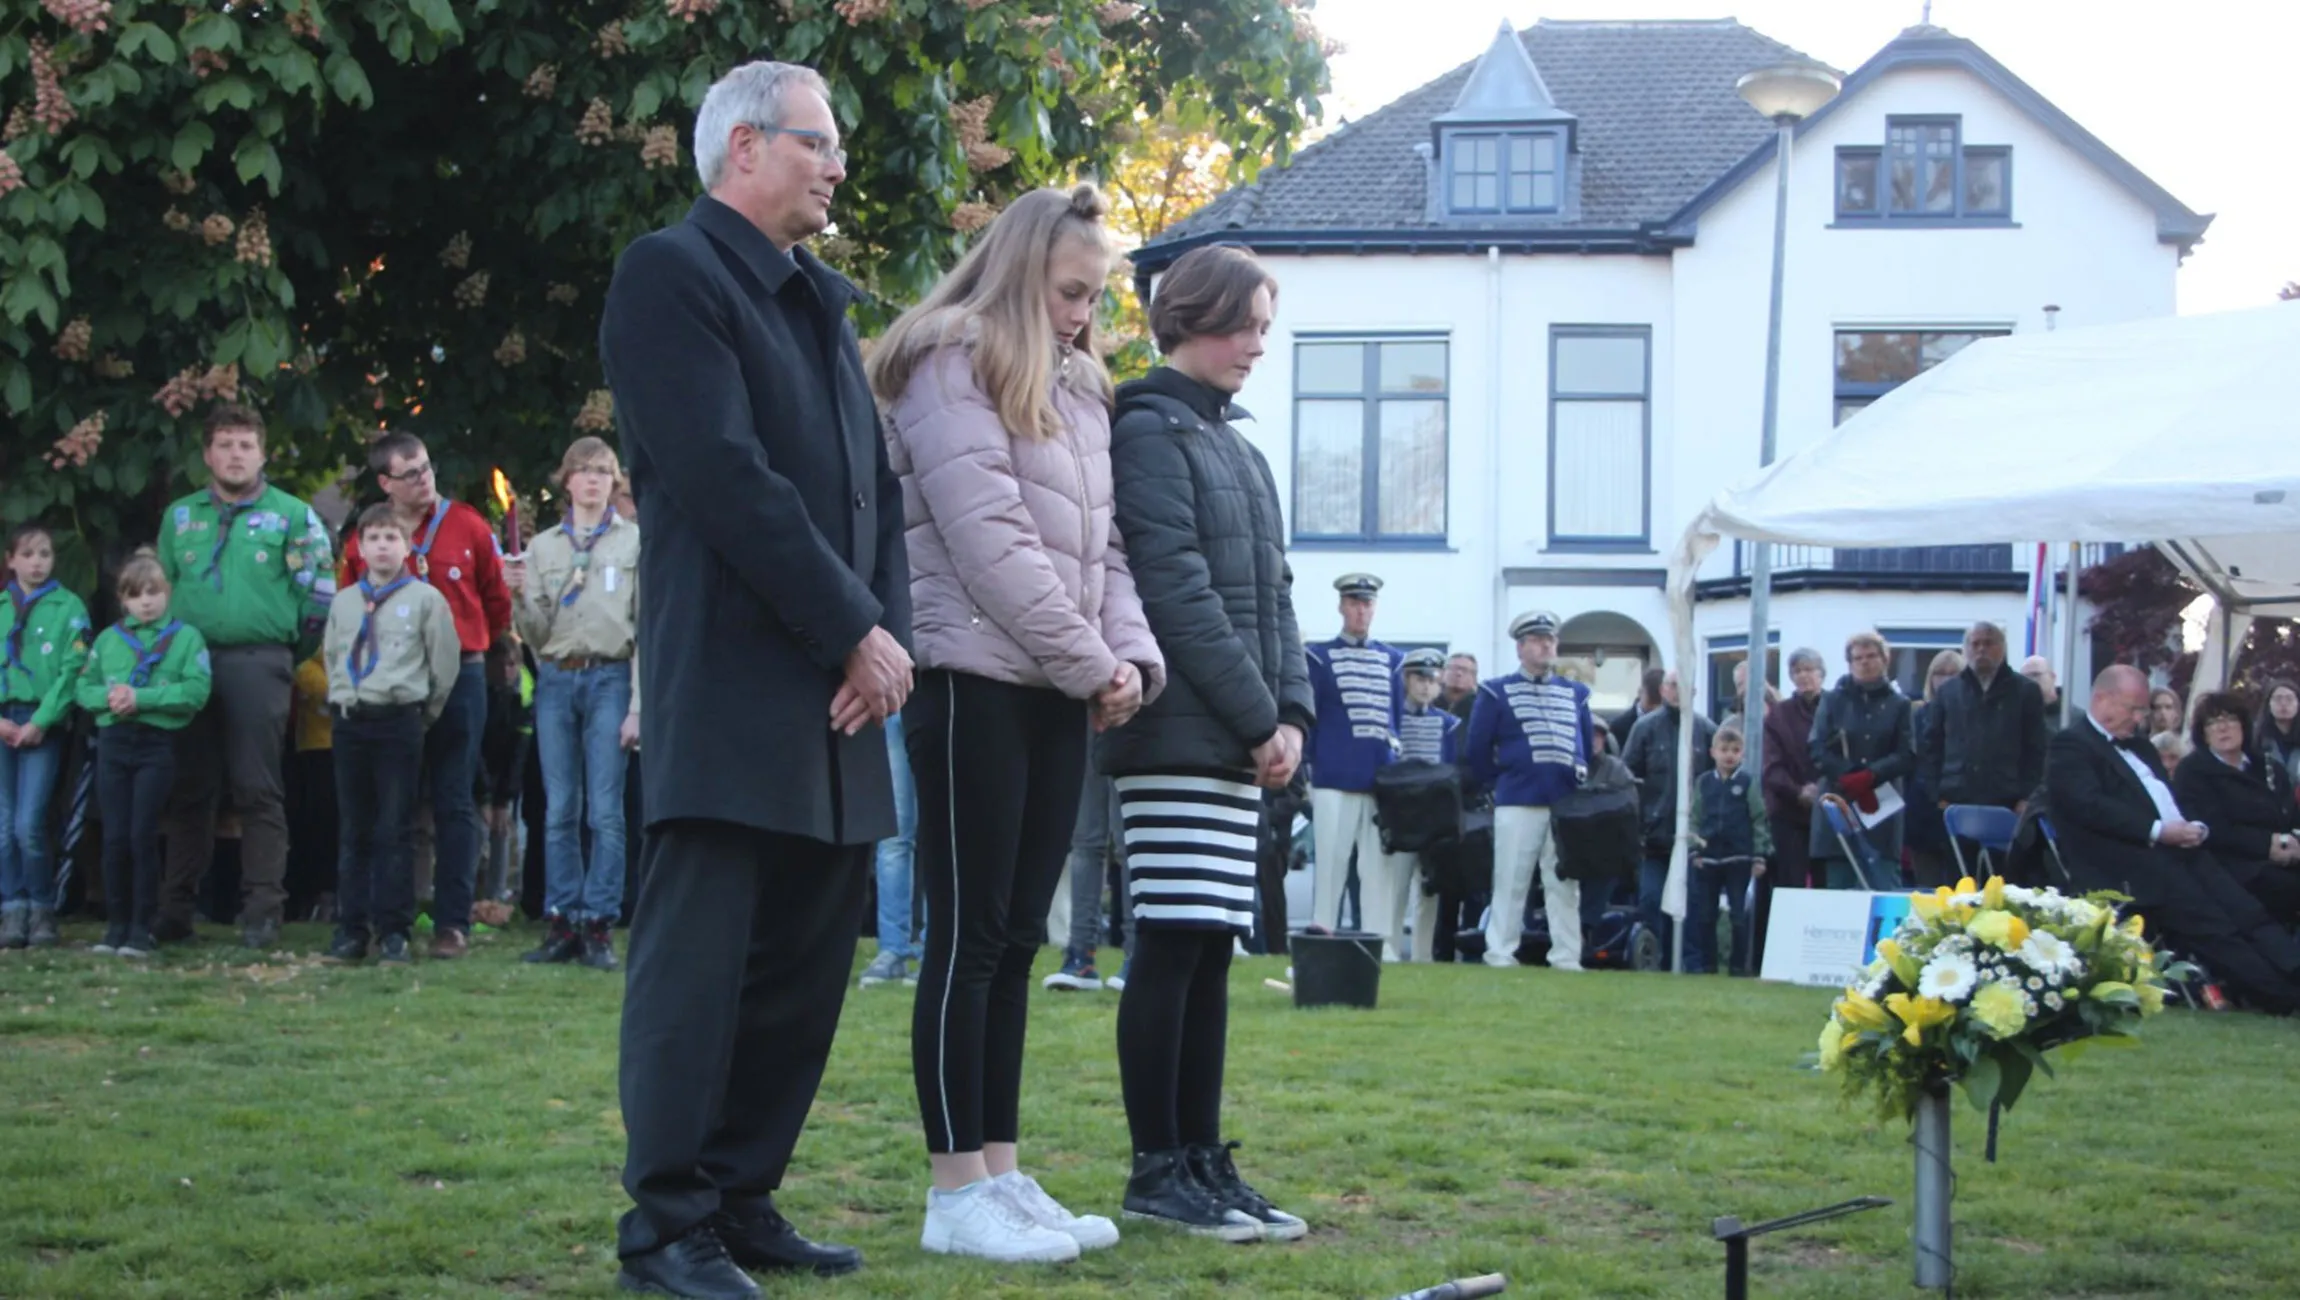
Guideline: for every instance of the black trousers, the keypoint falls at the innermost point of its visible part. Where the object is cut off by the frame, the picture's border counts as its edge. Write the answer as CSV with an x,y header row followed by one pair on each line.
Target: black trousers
x,y
1173,1032
135,773
2277,887
2205,914
738,964
314,830
996,767
378,769
236,745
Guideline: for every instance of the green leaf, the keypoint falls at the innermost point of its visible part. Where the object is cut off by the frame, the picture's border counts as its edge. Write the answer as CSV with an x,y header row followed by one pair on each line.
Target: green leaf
x,y
645,100
151,40
349,81
92,207
439,16
19,389
192,144
211,31
256,157
234,344
1981,1081
101,473
232,90
263,350
2017,1072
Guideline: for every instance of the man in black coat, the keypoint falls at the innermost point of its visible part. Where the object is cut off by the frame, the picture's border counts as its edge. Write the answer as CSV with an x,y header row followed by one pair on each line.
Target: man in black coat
x,y
777,607
1983,739
2120,828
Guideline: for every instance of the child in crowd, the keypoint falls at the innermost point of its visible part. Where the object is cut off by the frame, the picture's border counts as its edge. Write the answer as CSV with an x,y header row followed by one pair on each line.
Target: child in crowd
x,y
313,831
1732,841
145,677
503,747
45,629
392,660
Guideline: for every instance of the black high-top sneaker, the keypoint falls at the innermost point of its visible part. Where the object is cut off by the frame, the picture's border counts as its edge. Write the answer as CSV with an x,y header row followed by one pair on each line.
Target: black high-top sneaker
x,y
560,944
598,950
1219,1173
1164,1190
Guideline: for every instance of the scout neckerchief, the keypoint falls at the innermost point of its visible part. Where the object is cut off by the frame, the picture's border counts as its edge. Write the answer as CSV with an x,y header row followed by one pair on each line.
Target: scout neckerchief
x,y
147,657
23,603
365,641
574,588
419,554
228,513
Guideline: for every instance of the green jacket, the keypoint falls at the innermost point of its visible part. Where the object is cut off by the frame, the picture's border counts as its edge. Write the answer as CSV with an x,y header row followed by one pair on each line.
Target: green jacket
x,y
46,661
269,583
177,688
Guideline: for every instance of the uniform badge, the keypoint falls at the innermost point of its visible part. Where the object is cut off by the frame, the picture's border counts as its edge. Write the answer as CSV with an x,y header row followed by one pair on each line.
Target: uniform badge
x,y
183,517
260,557
187,557
294,561
47,647
454,574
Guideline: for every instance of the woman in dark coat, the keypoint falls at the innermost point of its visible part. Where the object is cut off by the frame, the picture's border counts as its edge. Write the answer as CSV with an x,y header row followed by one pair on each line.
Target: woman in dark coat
x,y
1198,509
1863,741
2277,729
2246,801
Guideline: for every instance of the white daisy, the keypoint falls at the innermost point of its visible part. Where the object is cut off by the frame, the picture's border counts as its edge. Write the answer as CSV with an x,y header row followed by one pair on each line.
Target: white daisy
x,y
2053,1001
1949,976
2048,954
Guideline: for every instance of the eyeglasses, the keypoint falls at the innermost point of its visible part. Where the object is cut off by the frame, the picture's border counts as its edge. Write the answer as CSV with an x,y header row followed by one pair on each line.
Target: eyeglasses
x,y
821,144
412,473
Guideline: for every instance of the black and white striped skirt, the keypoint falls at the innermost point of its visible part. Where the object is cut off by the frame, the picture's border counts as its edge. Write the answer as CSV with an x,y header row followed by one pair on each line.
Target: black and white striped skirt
x,y
1191,844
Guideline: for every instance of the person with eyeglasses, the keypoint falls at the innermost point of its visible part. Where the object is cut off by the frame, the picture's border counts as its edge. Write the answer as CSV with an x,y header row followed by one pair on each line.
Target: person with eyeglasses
x,y
775,628
253,570
451,547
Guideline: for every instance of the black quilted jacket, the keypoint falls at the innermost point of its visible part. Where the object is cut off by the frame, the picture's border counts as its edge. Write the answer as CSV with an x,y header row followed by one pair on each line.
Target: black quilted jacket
x,y
1198,509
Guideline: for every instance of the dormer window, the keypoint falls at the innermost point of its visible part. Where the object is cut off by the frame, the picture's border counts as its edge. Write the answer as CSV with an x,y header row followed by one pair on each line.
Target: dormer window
x,y
1513,172
1925,174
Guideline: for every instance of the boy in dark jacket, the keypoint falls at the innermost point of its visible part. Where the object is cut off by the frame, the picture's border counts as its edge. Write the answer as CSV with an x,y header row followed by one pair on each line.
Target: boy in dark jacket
x,y
1734,839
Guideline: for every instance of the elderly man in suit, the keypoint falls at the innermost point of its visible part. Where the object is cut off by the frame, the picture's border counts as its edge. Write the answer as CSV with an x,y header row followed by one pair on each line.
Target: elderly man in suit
x,y
2120,828
774,627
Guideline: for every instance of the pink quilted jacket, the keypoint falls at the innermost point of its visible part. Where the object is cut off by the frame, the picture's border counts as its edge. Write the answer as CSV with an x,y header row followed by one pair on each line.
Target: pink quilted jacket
x,y
1017,572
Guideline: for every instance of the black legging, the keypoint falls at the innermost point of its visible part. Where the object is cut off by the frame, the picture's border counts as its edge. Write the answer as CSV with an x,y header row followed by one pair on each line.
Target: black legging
x,y
997,768
1173,1023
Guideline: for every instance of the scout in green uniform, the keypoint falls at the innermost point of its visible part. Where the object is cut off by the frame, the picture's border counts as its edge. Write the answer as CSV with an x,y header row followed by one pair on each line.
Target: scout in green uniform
x,y
43,641
392,662
147,676
254,570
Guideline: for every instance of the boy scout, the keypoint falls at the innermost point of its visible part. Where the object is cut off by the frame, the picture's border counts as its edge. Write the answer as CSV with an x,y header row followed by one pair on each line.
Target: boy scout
x,y
392,661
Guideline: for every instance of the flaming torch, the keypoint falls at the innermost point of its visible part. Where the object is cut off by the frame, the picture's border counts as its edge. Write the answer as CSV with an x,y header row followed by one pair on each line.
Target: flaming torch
x,y
510,504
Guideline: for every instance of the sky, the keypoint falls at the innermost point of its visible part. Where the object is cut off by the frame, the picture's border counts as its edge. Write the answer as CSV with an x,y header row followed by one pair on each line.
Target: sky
x,y
2199,95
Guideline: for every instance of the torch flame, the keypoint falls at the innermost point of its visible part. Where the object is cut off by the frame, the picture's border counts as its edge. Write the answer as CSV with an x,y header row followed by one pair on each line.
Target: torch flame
x,y
502,490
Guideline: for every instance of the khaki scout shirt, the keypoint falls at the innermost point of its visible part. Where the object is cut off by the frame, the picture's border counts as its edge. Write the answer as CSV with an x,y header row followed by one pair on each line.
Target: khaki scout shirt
x,y
417,654
603,621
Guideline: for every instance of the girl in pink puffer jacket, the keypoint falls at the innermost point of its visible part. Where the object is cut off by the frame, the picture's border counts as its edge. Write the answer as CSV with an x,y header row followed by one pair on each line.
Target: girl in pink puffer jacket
x,y
1027,630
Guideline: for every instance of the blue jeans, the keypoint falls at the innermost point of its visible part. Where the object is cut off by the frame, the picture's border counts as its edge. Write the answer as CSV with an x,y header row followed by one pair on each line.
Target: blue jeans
x,y
27,779
1707,879
895,855
451,760
579,738
1652,879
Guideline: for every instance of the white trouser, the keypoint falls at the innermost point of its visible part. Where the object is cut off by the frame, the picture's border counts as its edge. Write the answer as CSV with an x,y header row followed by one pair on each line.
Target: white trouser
x,y
1426,922
1521,838
1342,820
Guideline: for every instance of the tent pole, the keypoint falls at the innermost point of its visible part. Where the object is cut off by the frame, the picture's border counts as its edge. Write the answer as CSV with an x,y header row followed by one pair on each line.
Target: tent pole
x,y
2068,639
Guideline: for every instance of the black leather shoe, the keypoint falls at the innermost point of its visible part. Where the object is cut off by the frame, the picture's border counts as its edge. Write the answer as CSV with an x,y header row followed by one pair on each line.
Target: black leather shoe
x,y
695,1266
763,1239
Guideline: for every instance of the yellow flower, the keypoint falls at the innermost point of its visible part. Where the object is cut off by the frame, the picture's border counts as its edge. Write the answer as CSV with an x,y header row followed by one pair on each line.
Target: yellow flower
x,y
2134,924
1919,1014
1998,1007
2151,998
1832,1045
1965,885
1999,929
1928,907
1903,965
1859,1012
1993,893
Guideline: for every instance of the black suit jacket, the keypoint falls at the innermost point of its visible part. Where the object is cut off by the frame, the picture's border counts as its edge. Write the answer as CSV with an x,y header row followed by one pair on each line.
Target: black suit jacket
x,y
772,524
2100,809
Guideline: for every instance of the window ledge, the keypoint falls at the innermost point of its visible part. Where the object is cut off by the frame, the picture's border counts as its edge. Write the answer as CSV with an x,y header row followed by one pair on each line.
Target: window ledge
x,y
1436,545
1594,546
1924,223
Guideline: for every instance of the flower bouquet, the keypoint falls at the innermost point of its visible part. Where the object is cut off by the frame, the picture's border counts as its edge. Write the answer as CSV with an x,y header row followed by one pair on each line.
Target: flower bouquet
x,y
1975,985
1979,982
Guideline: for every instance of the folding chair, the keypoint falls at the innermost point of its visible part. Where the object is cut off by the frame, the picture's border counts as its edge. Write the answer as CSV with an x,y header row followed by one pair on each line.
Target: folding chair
x,y
1991,828
1858,850
2052,851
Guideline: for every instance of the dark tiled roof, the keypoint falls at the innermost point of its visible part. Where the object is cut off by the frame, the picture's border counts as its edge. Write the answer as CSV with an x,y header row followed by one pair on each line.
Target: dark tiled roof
x,y
1659,120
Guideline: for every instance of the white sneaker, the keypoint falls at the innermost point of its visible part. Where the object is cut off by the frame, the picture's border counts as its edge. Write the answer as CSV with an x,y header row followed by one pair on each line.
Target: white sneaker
x,y
1090,1231
983,1221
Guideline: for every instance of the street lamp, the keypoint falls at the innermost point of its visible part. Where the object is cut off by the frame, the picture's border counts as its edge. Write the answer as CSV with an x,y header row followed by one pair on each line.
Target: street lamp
x,y
1788,93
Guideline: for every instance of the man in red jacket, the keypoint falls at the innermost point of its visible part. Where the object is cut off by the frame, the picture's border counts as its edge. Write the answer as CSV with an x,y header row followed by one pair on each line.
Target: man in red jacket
x,y
452,547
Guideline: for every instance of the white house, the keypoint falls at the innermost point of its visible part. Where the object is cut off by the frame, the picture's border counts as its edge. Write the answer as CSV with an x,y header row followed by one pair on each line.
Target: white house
x,y
1521,325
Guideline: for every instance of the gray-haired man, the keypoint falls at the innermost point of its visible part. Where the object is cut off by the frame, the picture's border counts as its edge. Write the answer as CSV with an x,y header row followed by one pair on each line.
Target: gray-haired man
x,y
777,606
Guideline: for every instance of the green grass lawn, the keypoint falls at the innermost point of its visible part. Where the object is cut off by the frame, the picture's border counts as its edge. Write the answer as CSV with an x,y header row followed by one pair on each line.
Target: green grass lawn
x,y
196,1129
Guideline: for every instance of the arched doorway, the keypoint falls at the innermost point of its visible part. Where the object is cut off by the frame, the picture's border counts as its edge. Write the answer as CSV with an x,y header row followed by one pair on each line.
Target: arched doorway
x,y
1608,652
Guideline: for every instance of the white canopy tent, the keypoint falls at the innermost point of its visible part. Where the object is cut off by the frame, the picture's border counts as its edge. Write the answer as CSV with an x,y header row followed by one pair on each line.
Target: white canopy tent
x,y
2181,430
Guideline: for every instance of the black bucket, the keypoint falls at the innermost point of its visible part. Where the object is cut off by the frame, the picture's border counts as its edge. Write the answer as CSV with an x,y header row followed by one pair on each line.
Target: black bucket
x,y
1341,969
